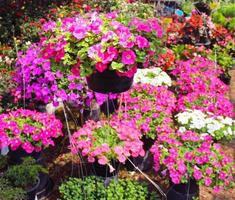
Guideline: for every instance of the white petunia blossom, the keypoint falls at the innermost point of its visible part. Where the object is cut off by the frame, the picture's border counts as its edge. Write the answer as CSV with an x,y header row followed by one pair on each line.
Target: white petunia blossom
x,y
218,127
154,76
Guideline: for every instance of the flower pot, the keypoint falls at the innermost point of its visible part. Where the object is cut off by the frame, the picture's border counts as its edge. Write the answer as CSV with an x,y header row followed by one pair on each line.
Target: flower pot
x,y
148,142
104,170
203,8
183,191
31,191
46,186
109,82
42,189
16,157
143,163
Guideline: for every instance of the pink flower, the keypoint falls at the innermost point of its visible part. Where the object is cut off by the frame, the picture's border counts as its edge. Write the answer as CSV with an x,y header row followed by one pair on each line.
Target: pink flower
x,y
103,160
142,42
197,174
128,57
207,181
130,73
209,170
100,67
222,175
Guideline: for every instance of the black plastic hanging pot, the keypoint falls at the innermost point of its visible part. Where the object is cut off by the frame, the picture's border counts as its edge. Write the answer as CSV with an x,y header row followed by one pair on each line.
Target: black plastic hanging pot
x,y
16,157
144,163
104,170
108,82
187,191
42,189
203,8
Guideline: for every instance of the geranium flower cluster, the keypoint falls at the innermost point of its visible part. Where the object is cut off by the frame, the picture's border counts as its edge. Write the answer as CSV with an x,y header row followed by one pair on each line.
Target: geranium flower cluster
x,y
107,140
38,79
154,76
200,88
28,129
96,42
218,127
149,107
191,155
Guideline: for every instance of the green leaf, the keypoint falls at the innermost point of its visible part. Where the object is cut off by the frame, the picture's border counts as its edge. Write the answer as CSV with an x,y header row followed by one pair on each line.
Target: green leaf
x,y
117,66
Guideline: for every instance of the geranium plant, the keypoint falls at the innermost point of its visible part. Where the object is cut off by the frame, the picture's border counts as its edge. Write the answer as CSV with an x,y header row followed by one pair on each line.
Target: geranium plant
x,y
30,130
191,155
96,42
149,107
107,140
218,127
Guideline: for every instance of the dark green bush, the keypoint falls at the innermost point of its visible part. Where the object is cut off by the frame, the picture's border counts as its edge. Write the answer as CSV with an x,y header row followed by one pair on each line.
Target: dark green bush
x,y
25,174
7,192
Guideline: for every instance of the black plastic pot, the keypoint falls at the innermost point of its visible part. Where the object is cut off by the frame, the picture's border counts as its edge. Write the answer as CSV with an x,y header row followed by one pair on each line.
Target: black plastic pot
x,y
203,8
104,171
143,163
42,189
183,191
16,157
109,82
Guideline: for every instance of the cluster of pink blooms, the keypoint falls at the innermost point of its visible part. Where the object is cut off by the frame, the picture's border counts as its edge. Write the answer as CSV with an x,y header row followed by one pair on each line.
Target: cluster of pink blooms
x,y
200,88
102,42
28,129
190,154
149,107
107,140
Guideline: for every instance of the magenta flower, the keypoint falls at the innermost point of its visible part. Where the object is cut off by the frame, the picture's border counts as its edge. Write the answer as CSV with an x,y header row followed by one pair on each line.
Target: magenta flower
x,y
100,67
142,42
128,57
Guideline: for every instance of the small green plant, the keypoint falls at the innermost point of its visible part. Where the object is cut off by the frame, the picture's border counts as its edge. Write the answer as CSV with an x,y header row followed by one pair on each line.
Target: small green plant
x,y
3,162
117,190
7,192
92,188
25,174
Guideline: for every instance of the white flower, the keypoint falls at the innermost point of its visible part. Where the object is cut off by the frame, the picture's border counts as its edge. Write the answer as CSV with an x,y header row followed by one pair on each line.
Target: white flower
x,y
227,121
182,129
154,76
183,118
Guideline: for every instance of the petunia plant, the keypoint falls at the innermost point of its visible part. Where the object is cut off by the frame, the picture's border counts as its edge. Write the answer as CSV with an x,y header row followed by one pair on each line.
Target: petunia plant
x,y
218,127
30,130
191,155
104,141
97,42
149,107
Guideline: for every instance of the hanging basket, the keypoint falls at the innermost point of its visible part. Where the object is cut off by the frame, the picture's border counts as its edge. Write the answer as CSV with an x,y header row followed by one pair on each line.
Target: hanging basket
x,y
187,191
16,157
109,82
104,170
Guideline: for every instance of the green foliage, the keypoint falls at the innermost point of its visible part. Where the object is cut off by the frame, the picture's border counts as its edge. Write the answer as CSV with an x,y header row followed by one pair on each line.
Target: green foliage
x,y
228,10
7,192
126,190
92,188
24,174
222,55
3,162
187,7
